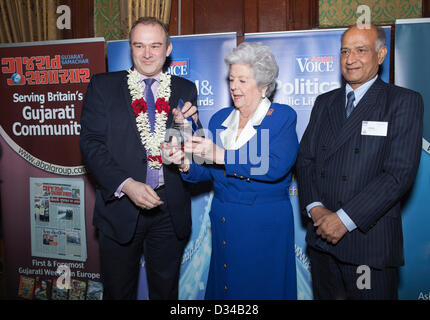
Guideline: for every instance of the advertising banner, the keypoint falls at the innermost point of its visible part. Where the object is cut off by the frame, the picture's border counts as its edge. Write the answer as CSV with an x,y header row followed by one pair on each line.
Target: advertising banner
x,y
44,190
57,218
198,58
308,66
412,67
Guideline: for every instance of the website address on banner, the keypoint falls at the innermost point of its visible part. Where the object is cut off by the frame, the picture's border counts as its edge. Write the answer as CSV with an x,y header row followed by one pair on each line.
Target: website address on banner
x,y
67,171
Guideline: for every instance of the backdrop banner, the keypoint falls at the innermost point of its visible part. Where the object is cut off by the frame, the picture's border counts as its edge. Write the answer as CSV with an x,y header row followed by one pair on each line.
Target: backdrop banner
x,y
308,66
44,190
199,58
412,67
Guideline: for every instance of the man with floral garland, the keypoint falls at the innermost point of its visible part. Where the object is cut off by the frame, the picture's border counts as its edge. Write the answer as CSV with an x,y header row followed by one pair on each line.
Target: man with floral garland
x,y
142,206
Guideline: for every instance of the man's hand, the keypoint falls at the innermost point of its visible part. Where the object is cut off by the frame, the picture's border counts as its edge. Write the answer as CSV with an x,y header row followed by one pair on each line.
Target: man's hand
x,y
141,194
330,227
317,212
188,110
172,153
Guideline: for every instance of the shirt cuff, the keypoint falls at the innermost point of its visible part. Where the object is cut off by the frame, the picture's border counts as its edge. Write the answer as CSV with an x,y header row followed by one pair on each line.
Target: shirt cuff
x,y
312,205
118,193
346,220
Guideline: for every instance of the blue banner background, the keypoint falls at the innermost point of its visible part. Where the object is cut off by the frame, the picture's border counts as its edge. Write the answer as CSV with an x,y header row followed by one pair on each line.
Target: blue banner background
x,y
412,68
308,66
199,58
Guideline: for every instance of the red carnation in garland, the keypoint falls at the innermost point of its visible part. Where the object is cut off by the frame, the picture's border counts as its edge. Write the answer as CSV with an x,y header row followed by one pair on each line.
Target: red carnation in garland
x,y
162,105
151,140
155,158
139,105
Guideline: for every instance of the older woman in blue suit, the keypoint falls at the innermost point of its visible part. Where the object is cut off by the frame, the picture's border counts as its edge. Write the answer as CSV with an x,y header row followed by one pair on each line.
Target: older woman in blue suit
x,y
249,159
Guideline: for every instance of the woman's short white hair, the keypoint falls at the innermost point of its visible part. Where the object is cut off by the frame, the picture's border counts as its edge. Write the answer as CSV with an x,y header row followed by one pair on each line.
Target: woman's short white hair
x,y
262,61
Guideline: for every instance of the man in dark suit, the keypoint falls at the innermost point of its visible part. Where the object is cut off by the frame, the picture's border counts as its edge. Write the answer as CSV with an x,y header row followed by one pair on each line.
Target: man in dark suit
x,y
358,157
141,206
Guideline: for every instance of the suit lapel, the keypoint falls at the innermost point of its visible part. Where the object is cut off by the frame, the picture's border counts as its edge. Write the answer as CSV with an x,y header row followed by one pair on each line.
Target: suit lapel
x,y
336,111
360,113
131,117
173,101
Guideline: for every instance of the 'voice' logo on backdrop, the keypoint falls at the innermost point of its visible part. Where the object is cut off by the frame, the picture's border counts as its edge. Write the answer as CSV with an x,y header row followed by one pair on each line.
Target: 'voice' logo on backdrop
x,y
314,64
179,67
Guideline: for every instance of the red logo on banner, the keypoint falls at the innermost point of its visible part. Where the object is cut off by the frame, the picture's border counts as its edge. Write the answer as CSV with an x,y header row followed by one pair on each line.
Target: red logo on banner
x,y
42,94
41,70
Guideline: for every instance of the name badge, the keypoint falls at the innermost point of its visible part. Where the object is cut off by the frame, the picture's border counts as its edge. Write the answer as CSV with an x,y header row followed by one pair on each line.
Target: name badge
x,y
374,128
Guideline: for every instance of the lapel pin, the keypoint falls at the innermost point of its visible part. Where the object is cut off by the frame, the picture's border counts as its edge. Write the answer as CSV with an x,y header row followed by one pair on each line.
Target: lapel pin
x,y
269,113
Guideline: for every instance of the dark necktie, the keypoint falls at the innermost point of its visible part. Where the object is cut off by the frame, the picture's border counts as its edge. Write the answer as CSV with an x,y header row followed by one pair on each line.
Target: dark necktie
x,y
152,175
350,103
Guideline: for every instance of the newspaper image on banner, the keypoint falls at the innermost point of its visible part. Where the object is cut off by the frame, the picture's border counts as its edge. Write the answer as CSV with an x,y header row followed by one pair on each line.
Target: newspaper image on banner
x,y
58,218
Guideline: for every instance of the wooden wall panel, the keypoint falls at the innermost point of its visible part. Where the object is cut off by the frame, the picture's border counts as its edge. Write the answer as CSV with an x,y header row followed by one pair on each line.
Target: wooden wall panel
x,y
250,10
173,23
426,8
304,15
218,16
243,16
187,17
273,15
82,16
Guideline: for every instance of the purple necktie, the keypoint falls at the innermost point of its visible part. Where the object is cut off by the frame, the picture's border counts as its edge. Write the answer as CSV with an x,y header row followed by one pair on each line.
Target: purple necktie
x,y
152,175
149,98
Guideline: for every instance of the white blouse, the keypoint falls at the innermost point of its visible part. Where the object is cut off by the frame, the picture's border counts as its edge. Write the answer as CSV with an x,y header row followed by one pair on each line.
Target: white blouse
x,y
228,136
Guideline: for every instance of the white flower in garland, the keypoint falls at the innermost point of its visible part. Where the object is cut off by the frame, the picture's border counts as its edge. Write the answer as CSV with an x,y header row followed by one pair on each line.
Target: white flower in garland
x,y
150,140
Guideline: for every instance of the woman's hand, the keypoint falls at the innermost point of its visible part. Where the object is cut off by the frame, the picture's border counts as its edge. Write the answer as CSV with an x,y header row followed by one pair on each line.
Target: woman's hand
x,y
173,153
206,149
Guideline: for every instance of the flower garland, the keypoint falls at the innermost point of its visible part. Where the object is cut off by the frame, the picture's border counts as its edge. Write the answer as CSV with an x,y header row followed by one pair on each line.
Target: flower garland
x,y
151,140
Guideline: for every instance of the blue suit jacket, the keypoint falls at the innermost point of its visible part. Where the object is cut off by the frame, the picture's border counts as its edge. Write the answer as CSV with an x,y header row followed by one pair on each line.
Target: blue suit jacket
x,y
241,180
366,176
112,150
251,215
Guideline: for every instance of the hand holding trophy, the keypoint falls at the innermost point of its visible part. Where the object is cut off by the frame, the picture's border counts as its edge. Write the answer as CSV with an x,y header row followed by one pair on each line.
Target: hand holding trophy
x,y
182,125
182,131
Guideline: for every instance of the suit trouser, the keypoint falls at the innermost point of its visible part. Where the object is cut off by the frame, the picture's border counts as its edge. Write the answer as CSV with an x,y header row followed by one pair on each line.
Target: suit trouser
x,y
335,280
155,237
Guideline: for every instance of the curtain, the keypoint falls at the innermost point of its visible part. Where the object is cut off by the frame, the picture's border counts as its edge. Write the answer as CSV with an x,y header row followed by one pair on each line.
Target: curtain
x,y
28,20
131,10
107,19
339,13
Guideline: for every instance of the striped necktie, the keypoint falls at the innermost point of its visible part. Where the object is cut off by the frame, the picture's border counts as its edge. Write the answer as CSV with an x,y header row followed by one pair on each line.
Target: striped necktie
x,y
350,103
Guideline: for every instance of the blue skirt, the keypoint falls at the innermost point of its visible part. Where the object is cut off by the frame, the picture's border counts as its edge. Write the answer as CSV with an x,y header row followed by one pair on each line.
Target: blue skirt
x,y
253,253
